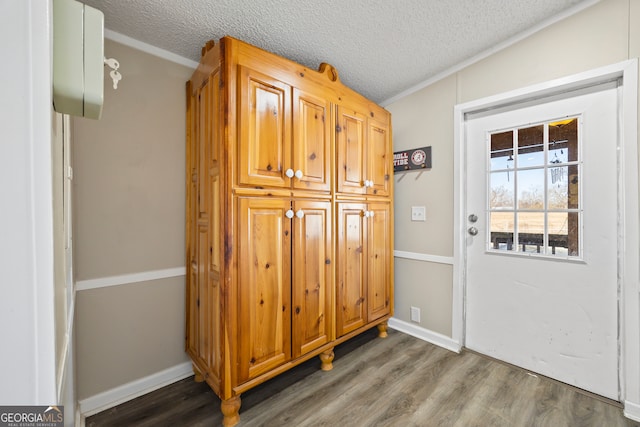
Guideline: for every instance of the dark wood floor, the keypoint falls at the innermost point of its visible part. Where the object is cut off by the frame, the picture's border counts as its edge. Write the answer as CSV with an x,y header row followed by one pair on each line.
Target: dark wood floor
x,y
397,381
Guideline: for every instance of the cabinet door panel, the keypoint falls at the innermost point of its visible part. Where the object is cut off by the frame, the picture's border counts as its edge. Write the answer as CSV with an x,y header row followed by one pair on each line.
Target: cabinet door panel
x,y
379,260
211,140
265,130
203,324
203,198
379,158
264,277
312,276
191,216
351,138
351,292
311,141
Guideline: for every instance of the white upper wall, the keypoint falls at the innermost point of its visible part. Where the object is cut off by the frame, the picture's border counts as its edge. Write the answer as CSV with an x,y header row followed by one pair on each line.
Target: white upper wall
x,y
27,362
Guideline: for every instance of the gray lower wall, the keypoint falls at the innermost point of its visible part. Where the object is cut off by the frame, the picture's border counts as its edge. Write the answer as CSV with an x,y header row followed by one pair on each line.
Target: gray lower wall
x,y
128,332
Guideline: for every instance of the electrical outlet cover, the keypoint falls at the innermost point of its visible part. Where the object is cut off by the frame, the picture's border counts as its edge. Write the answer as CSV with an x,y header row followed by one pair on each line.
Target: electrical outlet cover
x,y
418,213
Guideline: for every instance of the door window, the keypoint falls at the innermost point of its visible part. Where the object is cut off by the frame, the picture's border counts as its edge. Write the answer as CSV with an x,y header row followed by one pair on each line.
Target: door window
x,y
534,192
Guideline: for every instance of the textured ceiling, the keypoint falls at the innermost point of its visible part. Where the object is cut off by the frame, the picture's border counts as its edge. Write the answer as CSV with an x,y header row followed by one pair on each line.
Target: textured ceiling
x,y
379,47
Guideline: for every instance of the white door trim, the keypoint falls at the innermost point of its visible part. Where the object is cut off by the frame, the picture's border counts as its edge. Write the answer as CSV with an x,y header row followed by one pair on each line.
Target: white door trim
x,y
629,239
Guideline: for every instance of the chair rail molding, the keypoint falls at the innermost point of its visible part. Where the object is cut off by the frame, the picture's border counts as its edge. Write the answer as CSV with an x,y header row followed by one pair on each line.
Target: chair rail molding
x,y
124,279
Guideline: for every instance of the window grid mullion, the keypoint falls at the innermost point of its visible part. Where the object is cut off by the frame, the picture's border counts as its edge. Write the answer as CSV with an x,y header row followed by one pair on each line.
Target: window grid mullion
x,y
516,228
545,234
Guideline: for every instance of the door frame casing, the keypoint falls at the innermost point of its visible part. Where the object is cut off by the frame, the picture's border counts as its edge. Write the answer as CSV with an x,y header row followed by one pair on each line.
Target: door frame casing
x,y
628,221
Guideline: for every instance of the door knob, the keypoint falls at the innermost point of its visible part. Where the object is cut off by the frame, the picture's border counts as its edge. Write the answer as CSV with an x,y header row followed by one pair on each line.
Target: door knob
x,y
473,218
473,231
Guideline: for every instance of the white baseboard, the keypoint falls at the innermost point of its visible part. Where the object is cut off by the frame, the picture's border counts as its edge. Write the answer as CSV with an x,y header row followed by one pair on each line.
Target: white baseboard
x,y
110,398
631,410
425,334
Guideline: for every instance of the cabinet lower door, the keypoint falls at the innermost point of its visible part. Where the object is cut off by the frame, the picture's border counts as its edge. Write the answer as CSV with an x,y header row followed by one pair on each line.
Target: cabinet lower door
x,y
379,259
351,286
264,279
312,276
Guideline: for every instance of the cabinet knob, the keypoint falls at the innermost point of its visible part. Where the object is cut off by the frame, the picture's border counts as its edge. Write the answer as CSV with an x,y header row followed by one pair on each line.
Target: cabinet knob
x,y
300,214
298,174
289,173
371,213
289,213
371,183
366,214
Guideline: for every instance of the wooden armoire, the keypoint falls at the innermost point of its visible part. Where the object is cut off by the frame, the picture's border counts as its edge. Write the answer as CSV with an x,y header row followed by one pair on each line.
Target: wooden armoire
x,y
289,217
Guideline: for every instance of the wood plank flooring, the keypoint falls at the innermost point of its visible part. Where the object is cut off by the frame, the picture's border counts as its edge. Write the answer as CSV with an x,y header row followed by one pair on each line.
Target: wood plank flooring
x,y
397,381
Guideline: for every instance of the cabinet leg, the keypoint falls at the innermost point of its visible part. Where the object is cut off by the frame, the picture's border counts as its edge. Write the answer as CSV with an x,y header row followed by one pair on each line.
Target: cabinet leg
x,y
327,358
382,330
230,411
198,375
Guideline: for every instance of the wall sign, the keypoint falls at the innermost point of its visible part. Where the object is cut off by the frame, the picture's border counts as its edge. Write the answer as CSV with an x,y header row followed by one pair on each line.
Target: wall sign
x,y
418,158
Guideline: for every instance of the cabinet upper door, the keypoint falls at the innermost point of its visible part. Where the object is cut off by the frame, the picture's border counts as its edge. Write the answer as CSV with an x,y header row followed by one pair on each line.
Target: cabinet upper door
x,y
312,282
264,130
351,312
379,260
264,285
311,141
351,140
379,158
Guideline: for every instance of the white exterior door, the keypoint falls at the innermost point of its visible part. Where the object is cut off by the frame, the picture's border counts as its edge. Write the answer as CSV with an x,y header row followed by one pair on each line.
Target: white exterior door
x,y
542,237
